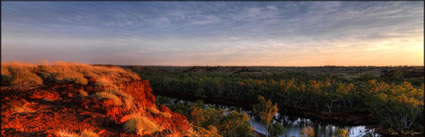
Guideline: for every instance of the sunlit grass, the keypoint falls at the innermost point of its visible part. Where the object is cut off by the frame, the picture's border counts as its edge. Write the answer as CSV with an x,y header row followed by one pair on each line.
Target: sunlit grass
x,y
140,125
84,133
128,99
16,73
154,110
88,133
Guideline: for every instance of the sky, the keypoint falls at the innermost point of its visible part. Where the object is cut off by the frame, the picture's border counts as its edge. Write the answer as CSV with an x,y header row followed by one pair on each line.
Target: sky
x,y
279,33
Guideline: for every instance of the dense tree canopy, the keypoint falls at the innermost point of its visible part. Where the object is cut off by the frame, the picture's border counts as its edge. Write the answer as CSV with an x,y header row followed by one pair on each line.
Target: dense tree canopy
x,y
396,103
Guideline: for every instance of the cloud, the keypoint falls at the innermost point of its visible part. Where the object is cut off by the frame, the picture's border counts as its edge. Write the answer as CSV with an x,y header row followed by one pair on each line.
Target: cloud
x,y
211,32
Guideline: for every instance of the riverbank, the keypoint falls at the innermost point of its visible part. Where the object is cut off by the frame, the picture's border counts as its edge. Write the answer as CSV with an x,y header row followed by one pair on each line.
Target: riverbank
x,y
340,118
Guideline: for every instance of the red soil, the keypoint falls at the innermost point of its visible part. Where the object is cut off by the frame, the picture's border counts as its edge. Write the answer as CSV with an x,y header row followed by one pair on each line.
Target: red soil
x,y
61,107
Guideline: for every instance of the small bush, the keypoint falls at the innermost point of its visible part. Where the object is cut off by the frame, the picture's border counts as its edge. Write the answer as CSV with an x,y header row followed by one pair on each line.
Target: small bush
x,y
210,132
140,125
307,132
340,132
276,129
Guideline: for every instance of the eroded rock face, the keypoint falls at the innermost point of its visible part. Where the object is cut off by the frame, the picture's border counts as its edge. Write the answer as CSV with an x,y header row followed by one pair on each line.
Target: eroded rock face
x,y
49,109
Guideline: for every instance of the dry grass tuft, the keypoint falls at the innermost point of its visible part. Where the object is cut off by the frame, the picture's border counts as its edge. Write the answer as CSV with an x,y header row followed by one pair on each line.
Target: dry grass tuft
x,y
84,133
66,133
104,81
140,125
154,110
20,74
118,96
88,133
128,99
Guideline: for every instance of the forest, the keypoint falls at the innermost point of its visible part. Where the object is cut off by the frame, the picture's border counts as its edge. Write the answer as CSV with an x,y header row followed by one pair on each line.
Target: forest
x,y
393,99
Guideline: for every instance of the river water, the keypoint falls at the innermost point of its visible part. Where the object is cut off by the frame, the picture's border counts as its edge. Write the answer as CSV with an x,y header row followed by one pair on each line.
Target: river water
x,y
293,126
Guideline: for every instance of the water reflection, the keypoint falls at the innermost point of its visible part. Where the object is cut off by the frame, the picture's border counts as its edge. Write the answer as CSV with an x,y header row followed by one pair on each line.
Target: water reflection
x,y
294,127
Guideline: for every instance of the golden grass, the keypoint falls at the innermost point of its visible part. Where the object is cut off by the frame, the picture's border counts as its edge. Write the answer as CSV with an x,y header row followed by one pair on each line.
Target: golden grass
x,y
210,132
120,98
84,133
20,74
66,133
140,125
17,73
5,74
128,99
154,110
104,81
88,133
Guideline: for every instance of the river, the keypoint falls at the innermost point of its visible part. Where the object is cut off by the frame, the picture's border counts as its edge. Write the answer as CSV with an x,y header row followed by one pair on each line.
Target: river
x,y
294,124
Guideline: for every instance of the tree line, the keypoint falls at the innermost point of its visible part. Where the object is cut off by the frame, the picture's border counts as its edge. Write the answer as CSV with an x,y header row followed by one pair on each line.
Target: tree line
x,y
398,104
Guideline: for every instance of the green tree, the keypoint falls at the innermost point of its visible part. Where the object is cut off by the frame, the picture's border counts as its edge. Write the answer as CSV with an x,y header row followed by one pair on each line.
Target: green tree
x,y
266,110
276,129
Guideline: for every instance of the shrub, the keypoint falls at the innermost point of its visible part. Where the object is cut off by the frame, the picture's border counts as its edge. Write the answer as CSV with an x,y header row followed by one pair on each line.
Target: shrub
x,y
140,125
276,129
341,132
307,132
211,132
